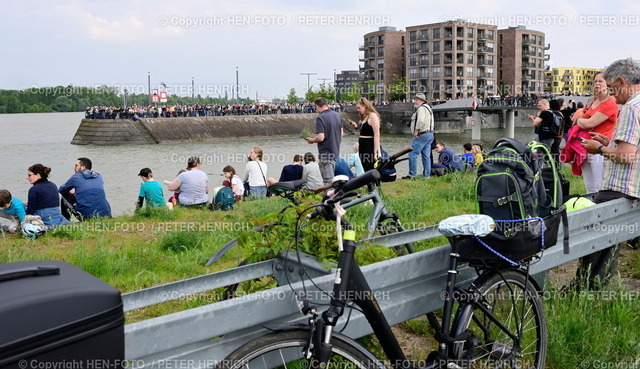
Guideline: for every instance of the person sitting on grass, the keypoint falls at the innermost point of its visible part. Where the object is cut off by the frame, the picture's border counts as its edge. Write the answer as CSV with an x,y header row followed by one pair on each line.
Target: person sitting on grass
x,y
12,206
448,161
150,190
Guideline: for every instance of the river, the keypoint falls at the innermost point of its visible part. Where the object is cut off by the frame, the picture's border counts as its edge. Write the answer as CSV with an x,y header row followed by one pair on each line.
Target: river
x,y
45,138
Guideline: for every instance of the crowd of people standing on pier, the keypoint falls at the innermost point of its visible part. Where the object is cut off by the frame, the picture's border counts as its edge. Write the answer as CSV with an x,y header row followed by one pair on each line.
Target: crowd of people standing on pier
x,y
197,110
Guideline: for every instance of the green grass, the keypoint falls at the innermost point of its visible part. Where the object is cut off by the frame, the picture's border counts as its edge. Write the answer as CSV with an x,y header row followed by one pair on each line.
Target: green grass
x,y
154,247
589,329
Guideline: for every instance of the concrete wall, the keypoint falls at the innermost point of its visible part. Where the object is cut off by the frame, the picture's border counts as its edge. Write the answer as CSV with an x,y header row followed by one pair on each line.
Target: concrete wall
x,y
395,120
158,130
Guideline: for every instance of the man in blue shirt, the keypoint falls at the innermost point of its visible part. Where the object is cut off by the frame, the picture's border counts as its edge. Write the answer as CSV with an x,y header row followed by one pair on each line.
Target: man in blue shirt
x,y
88,188
447,159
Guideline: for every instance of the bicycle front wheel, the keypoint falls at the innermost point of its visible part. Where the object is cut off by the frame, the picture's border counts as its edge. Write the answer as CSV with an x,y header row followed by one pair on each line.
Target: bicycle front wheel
x,y
286,350
514,302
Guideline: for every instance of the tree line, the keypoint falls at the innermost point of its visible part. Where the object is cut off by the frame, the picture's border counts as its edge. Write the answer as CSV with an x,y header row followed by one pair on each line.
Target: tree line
x,y
75,99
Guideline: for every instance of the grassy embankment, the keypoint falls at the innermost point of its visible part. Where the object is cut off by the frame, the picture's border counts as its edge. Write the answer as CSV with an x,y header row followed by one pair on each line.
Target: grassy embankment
x,y
152,248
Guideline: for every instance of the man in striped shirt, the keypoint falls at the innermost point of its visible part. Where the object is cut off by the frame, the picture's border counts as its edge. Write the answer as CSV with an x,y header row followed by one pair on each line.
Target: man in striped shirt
x,y
622,170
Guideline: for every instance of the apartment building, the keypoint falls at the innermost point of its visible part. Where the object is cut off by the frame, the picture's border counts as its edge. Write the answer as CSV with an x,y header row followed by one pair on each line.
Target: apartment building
x,y
346,81
383,60
521,56
572,80
453,59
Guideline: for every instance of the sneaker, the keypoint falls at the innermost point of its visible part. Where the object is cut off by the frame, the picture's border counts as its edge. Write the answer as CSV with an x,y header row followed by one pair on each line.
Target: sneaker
x,y
407,177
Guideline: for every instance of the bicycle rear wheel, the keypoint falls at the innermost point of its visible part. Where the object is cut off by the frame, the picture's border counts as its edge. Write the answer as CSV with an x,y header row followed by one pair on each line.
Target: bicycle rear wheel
x,y
515,303
286,349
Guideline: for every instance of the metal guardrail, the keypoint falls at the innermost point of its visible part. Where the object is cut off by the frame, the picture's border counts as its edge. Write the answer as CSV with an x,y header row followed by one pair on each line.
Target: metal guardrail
x,y
406,287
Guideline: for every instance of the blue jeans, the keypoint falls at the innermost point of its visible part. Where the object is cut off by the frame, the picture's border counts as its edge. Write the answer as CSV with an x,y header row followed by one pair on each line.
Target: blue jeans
x,y
421,146
51,217
258,192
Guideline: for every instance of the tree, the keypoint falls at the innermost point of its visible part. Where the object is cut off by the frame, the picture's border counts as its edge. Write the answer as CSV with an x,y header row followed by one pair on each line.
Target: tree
x,y
292,98
327,93
353,92
399,89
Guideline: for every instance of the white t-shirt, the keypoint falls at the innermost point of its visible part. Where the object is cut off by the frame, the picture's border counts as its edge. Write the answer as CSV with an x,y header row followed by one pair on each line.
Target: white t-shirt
x,y
237,186
193,187
256,173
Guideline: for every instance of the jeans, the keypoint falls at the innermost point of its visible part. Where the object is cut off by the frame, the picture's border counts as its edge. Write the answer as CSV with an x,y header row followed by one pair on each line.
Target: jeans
x,y
258,192
51,217
327,169
421,146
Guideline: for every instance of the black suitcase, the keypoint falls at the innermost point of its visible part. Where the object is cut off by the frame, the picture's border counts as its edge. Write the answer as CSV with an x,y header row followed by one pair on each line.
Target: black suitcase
x,y
55,315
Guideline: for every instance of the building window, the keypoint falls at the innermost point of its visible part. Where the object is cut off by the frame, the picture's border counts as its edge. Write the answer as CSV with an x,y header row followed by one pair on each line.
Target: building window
x,y
436,59
436,33
469,45
380,75
413,73
469,71
436,72
436,46
413,61
469,58
436,85
424,72
413,48
381,51
412,35
470,32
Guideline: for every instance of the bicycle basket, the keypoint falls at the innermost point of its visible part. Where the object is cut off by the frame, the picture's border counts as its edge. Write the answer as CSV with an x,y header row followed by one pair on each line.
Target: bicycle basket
x,y
518,241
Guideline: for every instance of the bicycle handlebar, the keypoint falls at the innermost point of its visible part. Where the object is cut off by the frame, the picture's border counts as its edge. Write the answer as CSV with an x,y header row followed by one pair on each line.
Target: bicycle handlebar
x,y
359,181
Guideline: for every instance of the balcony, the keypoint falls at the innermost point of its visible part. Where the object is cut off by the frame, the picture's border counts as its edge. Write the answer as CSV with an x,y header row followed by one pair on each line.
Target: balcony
x,y
422,37
528,65
528,42
423,62
485,63
484,37
485,76
448,61
485,50
527,53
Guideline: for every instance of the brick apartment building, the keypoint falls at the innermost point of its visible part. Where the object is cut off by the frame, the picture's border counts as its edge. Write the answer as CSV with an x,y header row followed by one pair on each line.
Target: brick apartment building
x,y
455,59
383,60
521,56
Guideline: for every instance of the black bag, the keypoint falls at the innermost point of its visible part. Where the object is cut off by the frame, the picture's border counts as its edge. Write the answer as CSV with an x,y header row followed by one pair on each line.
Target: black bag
x,y
55,313
556,127
247,190
517,185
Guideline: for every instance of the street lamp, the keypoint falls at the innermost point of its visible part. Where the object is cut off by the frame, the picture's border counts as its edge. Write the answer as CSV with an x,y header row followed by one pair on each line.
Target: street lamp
x,y
308,79
125,97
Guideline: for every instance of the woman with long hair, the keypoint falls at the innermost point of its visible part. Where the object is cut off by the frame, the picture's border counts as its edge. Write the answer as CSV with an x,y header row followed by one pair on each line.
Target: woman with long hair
x,y
256,174
369,141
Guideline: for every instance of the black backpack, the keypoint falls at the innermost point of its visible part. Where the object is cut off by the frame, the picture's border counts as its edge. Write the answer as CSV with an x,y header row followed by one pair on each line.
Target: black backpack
x,y
517,184
557,126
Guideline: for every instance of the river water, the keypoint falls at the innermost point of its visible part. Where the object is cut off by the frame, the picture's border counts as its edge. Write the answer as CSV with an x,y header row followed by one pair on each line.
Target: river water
x,y
45,138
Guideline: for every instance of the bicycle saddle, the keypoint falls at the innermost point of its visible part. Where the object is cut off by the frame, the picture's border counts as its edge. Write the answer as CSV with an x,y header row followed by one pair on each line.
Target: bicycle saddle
x,y
467,225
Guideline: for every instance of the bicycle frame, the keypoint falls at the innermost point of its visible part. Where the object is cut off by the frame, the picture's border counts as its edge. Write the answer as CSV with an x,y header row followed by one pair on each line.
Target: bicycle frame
x,y
351,285
378,212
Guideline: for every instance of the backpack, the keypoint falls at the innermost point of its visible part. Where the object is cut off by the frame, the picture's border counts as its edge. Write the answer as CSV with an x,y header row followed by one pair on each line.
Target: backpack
x,y
517,185
224,199
557,126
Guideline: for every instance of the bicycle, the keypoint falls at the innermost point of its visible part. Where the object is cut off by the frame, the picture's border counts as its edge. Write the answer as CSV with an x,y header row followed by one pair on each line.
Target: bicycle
x,y
499,321
380,220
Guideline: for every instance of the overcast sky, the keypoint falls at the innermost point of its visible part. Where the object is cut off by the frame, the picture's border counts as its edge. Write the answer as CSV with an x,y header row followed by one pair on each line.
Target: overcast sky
x,y
87,43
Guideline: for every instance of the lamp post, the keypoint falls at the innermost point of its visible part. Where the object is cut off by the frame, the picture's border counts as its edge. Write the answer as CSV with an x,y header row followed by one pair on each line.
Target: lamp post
x,y
237,86
149,86
308,79
193,89
125,97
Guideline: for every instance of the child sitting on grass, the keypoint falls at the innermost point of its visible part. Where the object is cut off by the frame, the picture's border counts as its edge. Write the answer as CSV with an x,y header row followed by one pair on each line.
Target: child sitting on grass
x,y
150,190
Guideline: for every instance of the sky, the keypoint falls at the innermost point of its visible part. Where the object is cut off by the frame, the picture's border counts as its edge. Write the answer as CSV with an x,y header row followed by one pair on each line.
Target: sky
x,y
269,43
